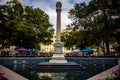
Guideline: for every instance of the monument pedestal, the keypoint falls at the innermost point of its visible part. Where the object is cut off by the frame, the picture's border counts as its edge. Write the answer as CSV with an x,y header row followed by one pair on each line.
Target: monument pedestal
x,y
58,48
58,58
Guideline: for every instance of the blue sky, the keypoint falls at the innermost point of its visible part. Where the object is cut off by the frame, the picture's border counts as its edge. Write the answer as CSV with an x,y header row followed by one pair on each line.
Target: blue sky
x,y
49,6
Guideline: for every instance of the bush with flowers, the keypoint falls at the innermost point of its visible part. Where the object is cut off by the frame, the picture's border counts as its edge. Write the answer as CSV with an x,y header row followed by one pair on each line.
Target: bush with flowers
x,y
3,76
115,75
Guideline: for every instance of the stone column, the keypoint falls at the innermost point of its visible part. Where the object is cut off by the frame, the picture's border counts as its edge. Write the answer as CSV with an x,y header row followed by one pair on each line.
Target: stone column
x,y
58,57
58,44
58,28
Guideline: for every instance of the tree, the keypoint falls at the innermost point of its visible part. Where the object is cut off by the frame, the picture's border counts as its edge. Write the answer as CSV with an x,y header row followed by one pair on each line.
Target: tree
x,y
23,25
97,19
78,39
69,39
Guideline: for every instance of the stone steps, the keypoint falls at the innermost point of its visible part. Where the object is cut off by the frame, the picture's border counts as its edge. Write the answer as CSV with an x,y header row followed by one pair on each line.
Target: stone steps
x,y
57,61
58,66
58,58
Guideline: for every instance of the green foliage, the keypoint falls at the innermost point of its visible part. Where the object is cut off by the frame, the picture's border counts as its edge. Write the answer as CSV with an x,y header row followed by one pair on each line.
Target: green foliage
x,y
109,78
23,26
77,39
116,46
98,20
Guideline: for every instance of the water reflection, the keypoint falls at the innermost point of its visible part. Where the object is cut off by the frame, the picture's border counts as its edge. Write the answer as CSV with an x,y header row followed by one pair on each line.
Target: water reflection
x,y
23,65
30,69
42,75
70,75
58,76
35,73
15,65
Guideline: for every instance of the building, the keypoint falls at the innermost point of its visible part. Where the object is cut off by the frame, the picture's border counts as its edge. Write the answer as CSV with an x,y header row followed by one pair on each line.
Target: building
x,y
51,47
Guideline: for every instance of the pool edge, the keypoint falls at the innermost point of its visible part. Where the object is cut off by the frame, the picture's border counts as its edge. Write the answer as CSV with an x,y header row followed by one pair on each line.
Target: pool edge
x,y
11,75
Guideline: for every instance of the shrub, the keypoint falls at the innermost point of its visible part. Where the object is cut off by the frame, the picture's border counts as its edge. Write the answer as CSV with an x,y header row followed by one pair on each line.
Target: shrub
x,y
3,76
115,75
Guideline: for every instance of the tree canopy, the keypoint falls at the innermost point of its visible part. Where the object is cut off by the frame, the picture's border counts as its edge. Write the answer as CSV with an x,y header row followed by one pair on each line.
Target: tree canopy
x,y
23,25
97,21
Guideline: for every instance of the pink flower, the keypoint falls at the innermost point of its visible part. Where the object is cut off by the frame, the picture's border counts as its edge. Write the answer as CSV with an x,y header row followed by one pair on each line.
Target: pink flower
x,y
113,75
2,75
116,73
100,79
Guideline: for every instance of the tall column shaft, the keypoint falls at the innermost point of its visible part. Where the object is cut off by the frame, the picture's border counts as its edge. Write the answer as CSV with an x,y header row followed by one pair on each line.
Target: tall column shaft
x,y
58,32
58,57
58,44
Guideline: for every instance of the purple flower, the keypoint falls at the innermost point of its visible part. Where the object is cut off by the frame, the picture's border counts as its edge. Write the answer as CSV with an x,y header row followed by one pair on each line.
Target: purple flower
x,y
116,73
2,75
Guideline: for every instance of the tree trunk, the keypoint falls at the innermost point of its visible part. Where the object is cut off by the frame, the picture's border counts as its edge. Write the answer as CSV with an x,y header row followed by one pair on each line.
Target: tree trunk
x,y
107,47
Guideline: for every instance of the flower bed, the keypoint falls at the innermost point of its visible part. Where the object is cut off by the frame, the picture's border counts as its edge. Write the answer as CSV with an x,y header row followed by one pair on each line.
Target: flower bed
x,y
3,76
115,75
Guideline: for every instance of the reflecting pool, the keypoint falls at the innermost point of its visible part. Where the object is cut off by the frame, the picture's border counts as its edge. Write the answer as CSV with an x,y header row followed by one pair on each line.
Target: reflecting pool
x,y
30,69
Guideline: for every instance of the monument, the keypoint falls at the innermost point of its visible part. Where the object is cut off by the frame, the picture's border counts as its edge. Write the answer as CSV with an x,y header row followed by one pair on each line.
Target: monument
x,y
58,60
58,56
58,46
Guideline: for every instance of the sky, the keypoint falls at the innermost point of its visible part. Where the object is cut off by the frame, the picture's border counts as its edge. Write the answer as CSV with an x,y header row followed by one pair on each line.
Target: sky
x,y
49,6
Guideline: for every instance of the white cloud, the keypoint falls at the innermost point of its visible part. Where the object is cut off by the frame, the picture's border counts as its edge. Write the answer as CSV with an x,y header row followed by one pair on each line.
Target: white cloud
x,y
78,1
3,1
25,2
64,20
52,15
49,6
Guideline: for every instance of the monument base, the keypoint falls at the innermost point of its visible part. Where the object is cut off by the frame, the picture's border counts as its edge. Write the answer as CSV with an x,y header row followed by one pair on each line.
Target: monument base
x,y
58,58
57,66
58,47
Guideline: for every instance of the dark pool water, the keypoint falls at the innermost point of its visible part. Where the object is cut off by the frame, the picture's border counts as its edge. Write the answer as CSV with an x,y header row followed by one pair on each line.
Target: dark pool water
x,y
29,68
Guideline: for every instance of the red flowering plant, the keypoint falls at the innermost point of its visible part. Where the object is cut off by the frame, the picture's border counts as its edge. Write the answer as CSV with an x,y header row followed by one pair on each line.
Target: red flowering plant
x,y
116,74
3,76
